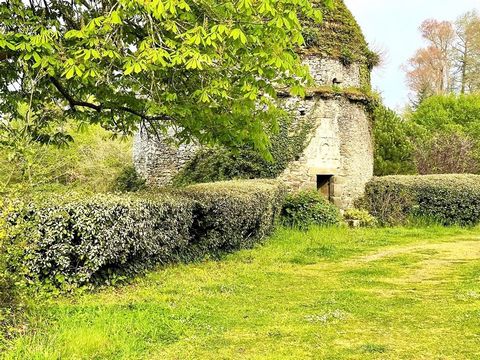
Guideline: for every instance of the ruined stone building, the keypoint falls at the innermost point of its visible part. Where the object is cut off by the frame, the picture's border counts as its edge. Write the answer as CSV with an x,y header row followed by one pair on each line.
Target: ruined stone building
x,y
338,156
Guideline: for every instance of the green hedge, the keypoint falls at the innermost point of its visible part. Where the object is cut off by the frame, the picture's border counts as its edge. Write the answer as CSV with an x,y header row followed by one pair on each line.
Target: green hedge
x,y
234,214
106,237
305,208
447,199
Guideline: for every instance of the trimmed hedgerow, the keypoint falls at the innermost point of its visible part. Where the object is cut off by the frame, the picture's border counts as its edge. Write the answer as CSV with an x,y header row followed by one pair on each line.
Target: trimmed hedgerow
x,y
446,199
305,208
234,214
104,238
78,241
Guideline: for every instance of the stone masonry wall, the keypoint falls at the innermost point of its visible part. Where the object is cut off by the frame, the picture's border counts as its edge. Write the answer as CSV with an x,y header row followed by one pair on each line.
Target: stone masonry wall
x,y
341,145
324,71
157,160
341,140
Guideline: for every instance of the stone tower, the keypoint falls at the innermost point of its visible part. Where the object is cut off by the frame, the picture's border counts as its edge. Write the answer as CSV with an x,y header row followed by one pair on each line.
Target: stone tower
x,y
338,157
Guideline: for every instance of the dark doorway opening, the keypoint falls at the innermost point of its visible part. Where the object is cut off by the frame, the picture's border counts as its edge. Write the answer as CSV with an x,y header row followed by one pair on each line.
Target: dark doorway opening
x,y
325,186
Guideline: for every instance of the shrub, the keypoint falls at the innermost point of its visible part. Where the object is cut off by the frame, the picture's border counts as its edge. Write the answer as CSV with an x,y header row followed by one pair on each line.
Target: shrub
x,y
453,131
78,241
234,214
305,208
389,203
447,153
104,238
394,147
447,199
362,216
219,164
129,180
92,161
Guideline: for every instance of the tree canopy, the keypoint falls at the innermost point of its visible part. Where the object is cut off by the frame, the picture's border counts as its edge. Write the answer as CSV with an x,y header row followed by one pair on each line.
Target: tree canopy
x,y
441,136
208,68
450,62
450,113
393,143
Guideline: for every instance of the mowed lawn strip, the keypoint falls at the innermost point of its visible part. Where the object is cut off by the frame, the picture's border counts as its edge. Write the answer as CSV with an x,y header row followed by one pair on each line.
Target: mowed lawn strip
x,y
330,293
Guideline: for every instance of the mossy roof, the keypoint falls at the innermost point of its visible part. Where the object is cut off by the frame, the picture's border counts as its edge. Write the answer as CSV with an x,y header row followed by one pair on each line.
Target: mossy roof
x,y
338,36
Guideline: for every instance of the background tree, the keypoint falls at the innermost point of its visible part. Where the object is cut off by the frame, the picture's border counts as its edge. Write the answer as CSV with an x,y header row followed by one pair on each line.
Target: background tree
x,y
441,136
441,36
394,147
446,153
452,125
450,113
208,69
467,52
430,70
425,75
450,62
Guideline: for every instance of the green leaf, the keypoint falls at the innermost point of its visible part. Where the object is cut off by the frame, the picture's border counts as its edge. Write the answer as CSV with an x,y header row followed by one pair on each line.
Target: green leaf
x,y
243,38
236,33
78,71
137,68
115,18
70,73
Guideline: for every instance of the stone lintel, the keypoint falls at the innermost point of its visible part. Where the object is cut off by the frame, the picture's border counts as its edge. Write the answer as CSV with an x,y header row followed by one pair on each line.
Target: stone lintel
x,y
322,171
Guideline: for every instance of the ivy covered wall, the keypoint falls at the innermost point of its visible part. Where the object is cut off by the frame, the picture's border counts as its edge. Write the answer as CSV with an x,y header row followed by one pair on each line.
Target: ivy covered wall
x,y
216,164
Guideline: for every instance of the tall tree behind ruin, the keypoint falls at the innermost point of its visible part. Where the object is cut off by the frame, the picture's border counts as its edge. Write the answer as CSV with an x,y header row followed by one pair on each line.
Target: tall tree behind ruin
x,y
430,70
441,36
450,61
467,52
423,74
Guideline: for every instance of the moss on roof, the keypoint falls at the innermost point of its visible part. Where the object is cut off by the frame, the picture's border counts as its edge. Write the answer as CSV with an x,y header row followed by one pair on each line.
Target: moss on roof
x,y
338,36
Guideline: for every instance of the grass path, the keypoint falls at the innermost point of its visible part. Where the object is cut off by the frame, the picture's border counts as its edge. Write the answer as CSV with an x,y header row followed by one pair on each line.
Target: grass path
x,y
325,294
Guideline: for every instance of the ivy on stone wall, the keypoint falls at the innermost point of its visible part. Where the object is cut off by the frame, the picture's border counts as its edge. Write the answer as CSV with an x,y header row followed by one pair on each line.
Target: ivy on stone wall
x,y
338,36
287,145
217,164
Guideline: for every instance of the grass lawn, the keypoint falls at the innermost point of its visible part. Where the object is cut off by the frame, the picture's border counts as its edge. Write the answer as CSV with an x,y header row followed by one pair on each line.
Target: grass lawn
x,y
324,294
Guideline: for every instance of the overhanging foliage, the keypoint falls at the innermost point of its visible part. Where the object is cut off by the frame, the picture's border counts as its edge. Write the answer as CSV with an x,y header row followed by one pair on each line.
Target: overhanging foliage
x,y
206,68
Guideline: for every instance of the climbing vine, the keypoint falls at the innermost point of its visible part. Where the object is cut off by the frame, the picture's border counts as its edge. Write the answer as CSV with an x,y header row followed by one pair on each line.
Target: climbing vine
x,y
216,164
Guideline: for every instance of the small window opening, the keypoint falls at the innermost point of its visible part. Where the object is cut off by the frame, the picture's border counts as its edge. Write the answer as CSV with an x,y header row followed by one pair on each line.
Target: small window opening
x,y
325,186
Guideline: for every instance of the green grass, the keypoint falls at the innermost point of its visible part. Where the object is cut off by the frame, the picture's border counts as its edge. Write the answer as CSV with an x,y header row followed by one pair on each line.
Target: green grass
x,y
324,294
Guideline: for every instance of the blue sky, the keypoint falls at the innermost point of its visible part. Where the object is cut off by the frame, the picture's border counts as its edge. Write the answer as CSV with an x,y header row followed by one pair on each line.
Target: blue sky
x,y
392,25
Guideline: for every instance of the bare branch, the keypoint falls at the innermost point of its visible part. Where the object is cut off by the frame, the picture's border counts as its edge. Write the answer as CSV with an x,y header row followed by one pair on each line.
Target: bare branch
x,y
101,107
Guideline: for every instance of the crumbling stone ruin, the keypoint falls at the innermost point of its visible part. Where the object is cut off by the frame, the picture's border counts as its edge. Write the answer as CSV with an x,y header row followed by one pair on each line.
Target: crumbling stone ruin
x,y
338,156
